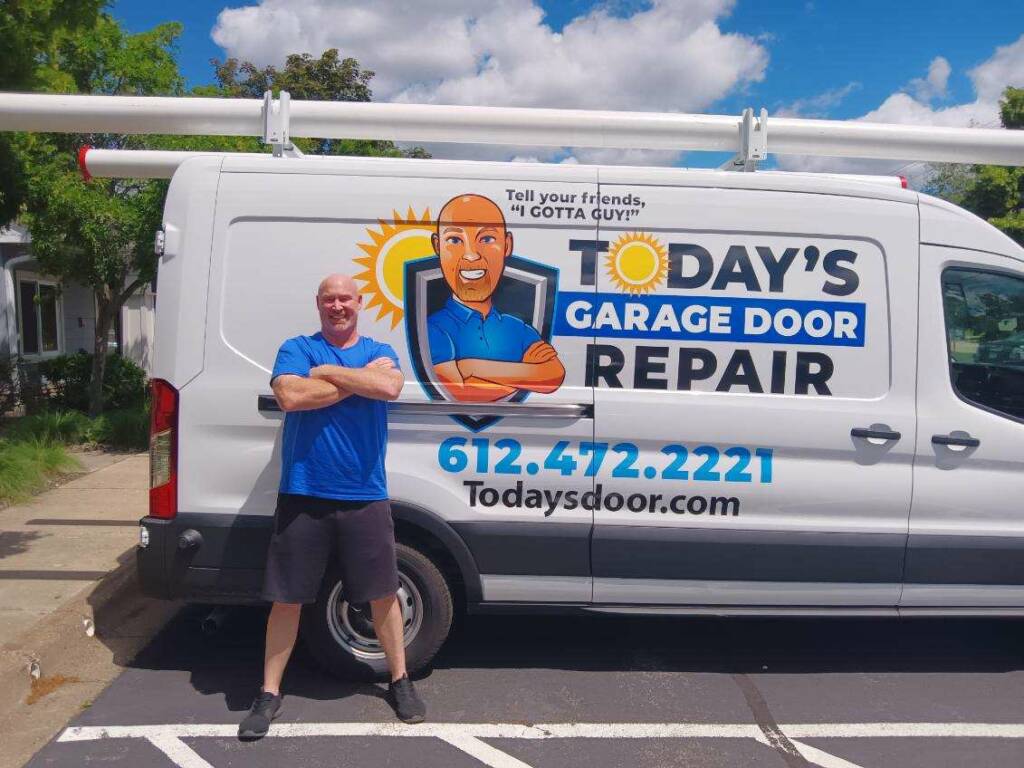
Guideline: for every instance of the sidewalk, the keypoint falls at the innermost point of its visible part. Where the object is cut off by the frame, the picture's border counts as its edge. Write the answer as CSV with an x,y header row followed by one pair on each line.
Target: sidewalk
x,y
70,609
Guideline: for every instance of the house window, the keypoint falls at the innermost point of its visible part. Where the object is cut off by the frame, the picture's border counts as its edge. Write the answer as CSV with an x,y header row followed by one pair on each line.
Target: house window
x,y
39,314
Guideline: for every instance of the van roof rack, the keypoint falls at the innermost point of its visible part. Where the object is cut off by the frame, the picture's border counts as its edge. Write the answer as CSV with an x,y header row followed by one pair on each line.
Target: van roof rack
x,y
278,120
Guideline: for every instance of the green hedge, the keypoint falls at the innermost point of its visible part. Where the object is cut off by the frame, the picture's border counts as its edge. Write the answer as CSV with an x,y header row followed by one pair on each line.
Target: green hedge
x,y
124,382
126,429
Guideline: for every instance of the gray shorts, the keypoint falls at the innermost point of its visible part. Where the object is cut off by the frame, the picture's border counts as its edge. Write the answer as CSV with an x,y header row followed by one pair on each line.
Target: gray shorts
x,y
309,531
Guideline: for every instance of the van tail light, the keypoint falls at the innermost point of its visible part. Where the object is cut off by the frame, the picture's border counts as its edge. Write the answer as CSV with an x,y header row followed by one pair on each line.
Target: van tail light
x,y
903,182
163,451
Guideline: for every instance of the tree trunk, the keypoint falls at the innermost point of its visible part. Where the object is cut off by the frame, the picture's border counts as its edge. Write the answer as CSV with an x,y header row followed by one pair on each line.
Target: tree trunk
x,y
105,308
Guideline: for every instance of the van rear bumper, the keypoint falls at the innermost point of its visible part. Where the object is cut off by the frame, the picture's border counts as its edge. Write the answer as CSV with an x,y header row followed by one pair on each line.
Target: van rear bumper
x,y
203,558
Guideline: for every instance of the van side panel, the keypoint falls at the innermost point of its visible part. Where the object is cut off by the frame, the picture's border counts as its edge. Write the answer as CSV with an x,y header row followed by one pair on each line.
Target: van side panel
x,y
732,408
276,236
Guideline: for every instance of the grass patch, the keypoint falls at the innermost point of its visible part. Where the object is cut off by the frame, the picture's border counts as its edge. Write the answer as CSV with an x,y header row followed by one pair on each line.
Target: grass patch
x,y
27,467
126,429
68,427
33,449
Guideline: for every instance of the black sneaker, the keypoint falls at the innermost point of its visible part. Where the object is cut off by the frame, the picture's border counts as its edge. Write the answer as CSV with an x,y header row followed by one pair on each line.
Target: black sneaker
x,y
407,704
265,708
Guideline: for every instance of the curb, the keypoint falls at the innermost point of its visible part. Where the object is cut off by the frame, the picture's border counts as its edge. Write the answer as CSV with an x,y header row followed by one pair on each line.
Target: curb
x,y
88,639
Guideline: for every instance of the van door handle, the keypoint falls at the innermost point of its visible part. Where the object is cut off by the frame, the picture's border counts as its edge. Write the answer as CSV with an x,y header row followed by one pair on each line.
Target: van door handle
x,y
877,434
962,442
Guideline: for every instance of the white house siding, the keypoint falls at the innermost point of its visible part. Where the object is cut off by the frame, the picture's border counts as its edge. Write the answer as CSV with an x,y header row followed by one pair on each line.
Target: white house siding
x,y
137,328
77,303
79,317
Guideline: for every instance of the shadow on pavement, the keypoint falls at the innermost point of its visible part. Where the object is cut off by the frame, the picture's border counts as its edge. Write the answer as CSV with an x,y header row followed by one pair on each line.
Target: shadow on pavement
x,y
230,661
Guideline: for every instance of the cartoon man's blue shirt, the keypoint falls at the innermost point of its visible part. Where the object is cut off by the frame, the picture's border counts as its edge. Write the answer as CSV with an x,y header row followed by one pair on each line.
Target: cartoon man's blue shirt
x,y
456,332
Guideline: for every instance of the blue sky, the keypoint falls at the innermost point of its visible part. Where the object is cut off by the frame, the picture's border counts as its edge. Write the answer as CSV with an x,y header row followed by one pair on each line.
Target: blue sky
x,y
817,58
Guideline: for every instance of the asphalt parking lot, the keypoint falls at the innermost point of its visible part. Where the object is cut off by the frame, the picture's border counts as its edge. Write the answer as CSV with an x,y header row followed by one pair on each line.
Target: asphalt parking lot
x,y
546,691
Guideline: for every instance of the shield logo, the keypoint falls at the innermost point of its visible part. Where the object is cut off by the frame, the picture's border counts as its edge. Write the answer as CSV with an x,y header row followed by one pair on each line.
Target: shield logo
x,y
527,290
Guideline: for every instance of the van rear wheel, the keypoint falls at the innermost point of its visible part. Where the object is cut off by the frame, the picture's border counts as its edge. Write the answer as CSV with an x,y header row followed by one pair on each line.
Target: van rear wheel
x,y
340,635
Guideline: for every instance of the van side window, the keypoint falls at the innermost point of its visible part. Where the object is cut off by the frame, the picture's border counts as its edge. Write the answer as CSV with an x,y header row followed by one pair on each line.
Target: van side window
x,y
985,336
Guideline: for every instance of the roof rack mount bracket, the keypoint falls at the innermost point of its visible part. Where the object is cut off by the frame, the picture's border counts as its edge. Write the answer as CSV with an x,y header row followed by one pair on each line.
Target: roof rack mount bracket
x,y
753,137
276,124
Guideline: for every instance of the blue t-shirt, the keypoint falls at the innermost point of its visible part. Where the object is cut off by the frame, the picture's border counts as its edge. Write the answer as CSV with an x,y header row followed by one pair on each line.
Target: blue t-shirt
x,y
335,452
456,332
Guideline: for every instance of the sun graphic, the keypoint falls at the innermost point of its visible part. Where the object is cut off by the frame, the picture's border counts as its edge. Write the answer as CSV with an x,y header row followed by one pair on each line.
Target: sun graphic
x,y
394,243
637,263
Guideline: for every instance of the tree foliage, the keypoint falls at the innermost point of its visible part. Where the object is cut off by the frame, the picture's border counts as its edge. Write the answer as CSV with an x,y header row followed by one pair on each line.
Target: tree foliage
x,y
31,30
99,233
327,78
993,192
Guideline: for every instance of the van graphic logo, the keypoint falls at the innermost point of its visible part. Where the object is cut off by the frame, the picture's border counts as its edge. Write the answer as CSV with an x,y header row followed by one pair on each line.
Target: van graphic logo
x,y
637,263
478,318
391,244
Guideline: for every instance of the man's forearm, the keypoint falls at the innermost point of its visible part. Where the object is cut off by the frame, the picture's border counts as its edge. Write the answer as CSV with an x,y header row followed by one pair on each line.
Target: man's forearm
x,y
374,383
306,394
536,377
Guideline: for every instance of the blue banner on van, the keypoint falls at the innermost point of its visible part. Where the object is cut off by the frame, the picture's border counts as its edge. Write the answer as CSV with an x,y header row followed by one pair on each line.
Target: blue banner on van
x,y
710,318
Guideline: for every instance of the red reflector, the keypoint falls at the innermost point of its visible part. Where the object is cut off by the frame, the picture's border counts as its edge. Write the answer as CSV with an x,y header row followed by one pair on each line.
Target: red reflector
x,y
82,152
903,181
163,451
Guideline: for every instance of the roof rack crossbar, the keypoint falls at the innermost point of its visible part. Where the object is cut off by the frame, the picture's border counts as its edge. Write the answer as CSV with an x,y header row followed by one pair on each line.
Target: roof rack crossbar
x,y
505,125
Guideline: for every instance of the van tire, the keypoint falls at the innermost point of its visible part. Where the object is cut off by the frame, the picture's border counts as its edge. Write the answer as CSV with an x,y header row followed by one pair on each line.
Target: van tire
x,y
322,634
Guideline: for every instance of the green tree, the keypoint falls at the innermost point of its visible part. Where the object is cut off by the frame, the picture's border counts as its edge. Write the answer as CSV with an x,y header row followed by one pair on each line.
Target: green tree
x,y
31,31
993,192
99,233
327,78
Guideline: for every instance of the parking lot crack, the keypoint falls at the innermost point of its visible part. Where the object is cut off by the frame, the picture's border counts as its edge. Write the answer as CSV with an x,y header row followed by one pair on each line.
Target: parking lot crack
x,y
774,736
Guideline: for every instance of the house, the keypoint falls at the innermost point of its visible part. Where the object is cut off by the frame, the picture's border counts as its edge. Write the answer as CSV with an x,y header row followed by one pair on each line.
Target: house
x,y
43,317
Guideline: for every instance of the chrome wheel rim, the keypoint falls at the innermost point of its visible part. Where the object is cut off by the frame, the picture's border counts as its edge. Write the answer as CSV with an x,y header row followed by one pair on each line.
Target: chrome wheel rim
x,y
352,628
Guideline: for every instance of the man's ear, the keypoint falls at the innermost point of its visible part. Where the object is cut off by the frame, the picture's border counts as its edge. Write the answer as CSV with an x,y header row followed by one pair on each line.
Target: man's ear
x,y
436,242
508,244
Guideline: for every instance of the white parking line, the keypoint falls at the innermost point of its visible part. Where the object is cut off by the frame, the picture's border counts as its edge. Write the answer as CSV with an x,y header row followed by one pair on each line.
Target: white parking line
x,y
180,753
821,758
467,737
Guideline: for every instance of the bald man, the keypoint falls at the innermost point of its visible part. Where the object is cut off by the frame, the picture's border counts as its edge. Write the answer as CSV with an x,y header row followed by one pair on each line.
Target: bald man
x,y
479,354
333,497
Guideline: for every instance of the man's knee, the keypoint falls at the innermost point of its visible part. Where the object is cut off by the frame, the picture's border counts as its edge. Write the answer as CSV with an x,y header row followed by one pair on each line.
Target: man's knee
x,y
384,602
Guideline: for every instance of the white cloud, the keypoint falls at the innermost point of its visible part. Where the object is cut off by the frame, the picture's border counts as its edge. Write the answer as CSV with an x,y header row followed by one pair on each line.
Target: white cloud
x,y
818,106
670,56
933,85
989,79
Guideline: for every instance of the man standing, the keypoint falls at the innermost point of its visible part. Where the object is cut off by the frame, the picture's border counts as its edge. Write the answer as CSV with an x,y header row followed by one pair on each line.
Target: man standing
x,y
333,494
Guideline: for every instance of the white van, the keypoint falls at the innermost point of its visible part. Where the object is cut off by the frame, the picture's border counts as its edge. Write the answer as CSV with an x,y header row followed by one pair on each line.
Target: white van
x,y
779,393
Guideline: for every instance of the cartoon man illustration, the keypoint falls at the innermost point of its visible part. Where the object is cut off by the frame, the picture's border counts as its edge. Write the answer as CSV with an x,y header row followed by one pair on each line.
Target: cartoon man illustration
x,y
478,353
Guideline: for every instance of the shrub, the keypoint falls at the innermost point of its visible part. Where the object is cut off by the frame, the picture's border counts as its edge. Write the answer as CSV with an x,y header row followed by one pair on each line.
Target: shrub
x,y
8,384
126,429
52,427
124,383
32,392
27,466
